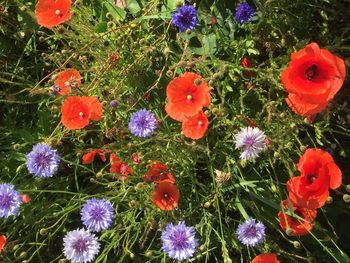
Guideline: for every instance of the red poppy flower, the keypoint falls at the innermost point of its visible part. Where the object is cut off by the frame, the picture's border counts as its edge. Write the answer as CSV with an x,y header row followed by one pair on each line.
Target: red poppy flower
x,y
196,126
312,78
166,196
90,156
298,226
50,13
77,111
2,242
25,198
266,258
68,80
318,173
187,95
246,64
158,173
119,167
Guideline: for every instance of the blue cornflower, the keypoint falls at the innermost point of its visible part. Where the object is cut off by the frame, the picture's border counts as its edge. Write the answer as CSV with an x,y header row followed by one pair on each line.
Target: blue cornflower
x,y
244,13
142,123
97,214
179,241
80,246
251,232
185,18
42,161
10,200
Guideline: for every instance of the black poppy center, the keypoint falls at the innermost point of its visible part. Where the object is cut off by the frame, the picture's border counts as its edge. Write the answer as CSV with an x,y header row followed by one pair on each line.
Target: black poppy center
x,y
311,178
311,72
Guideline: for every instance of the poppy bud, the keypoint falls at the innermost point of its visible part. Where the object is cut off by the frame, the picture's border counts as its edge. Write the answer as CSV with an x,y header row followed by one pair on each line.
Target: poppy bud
x,y
273,188
139,186
207,204
346,198
329,200
347,187
22,255
292,125
109,15
296,244
132,255
213,21
188,31
169,73
43,232
15,247
166,51
148,254
302,148
289,145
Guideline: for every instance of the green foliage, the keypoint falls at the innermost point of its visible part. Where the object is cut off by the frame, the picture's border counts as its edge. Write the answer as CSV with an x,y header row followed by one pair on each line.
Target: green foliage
x,y
151,53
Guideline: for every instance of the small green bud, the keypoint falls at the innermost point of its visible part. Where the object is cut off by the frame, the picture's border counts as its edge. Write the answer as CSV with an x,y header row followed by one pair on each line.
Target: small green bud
x,y
243,163
207,204
22,255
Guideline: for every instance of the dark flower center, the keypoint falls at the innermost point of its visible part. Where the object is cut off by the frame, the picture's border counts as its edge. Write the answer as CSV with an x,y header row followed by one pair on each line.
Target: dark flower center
x,y
249,142
251,231
185,18
80,245
179,240
42,160
97,213
6,201
311,178
311,72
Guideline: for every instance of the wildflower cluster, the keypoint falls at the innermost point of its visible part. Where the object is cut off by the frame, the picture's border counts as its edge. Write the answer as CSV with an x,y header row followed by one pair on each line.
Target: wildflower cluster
x,y
159,131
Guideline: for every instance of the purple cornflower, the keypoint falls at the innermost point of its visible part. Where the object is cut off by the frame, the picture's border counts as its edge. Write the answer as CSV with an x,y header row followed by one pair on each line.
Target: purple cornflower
x,y
42,161
252,140
244,13
97,214
185,18
251,233
113,104
179,241
142,123
10,200
80,246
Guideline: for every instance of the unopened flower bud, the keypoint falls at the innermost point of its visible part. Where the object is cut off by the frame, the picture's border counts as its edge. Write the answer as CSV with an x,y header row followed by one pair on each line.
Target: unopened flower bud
x,y
346,198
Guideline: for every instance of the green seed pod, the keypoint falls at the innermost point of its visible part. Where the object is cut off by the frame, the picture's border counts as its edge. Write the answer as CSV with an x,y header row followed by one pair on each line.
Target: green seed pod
x,y
329,200
289,145
296,244
289,231
347,187
302,148
202,247
43,231
109,16
346,198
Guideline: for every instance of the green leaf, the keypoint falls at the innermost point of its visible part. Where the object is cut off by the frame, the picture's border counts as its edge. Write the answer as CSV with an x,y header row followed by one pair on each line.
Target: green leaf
x,y
101,27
